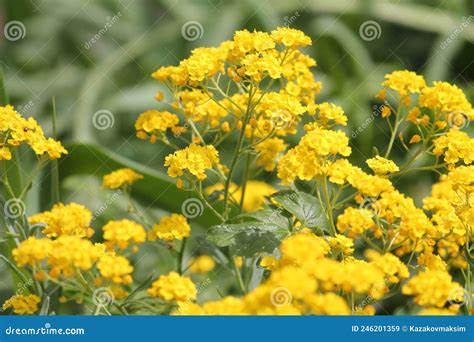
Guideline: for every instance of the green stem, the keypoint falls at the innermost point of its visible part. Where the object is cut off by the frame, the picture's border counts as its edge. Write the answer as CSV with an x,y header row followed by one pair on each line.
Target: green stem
x,y
181,255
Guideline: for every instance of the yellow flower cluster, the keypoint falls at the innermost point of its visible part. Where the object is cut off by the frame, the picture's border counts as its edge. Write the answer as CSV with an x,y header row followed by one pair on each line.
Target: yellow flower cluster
x,y
433,288
121,178
153,123
455,146
70,219
121,233
195,159
170,228
15,130
309,158
404,82
202,264
116,268
23,304
382,166
173,287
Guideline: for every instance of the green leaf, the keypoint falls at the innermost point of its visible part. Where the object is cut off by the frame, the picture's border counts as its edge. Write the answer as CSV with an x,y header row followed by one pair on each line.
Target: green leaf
x,y
272,216
155,188
305,207
247,238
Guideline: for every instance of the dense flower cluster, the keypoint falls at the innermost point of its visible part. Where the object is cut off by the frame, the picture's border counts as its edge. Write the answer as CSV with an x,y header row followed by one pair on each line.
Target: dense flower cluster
x,y
331,237
121,178
16,130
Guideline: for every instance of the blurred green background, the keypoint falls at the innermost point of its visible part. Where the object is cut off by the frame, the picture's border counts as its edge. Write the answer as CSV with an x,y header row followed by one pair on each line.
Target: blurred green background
x,y
98,56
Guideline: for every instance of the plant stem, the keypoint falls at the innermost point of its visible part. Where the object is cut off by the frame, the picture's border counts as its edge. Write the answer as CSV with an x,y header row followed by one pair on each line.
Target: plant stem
x,y
181,255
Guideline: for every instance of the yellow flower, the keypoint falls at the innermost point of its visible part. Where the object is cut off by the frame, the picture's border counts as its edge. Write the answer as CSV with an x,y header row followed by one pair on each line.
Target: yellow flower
x,y
415,139
307,159
431,288
153,122
32,251
202,264
446,98
382,166
69,253
16,130
301,248
120,178
268,153
170,227
354,222
436,312
69,219
195,159
173,287
327,304
343,244
330,111
389,264
404,82
456,146
290,38
23,304
269,262
255,194
122,232
116,268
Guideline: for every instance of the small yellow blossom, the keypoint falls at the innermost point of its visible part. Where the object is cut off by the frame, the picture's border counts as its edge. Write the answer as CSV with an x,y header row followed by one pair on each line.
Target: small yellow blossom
x,y
382,166
194,158
23,304
120,178
202,264
173,287
122,232
170,227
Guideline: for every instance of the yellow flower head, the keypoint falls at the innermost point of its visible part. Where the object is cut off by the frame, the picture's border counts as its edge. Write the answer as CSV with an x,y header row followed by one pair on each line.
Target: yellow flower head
x,y
404,82
116,268
268,152
431,288
173,287
195,159
122,232
446,98
23,304
120,178
153,122
69,219
330,112
202,264
290,38
456,146
16,130
32,251
382,166
71,252
343,244
171,227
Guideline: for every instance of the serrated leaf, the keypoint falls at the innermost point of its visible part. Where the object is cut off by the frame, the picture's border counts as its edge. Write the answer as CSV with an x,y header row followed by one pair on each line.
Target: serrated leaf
x,y
272,216
304,207
247,238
